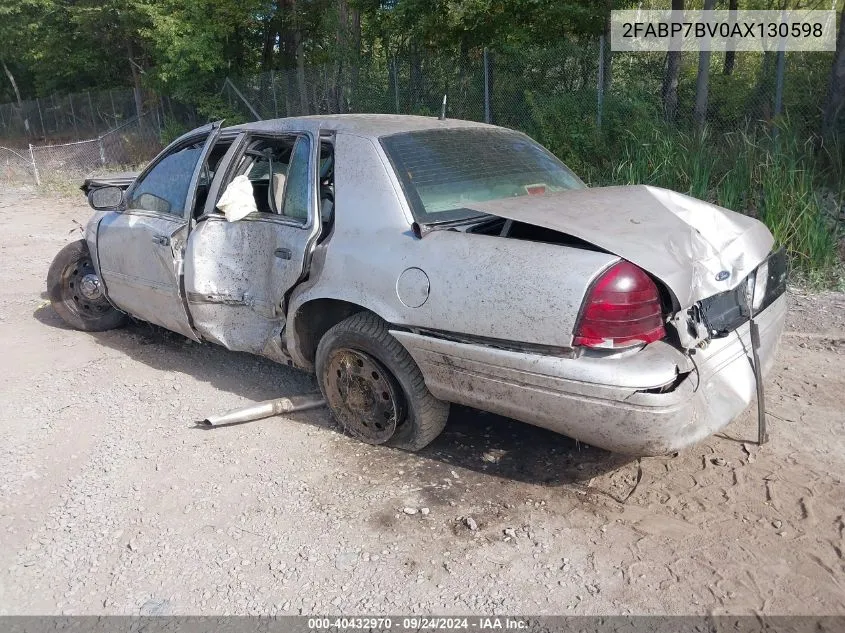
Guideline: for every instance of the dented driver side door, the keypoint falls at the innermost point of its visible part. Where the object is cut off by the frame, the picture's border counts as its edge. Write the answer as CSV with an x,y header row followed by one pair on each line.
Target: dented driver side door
x,y
237,273
140,246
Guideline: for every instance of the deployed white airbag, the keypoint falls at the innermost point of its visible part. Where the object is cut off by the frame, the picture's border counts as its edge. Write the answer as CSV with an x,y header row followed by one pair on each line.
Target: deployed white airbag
x,y
237,201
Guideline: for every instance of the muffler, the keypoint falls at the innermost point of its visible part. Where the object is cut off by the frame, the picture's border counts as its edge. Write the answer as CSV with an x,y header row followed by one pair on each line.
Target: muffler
x,y
265,409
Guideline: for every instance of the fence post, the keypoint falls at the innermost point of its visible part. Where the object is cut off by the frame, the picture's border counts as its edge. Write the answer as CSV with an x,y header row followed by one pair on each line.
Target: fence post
x,y
396,84
91,107
243,98
160,118
73,116
102,150
34,166
488,118
273,88
139,102
55,112
779,85
41,118
600,85
113,110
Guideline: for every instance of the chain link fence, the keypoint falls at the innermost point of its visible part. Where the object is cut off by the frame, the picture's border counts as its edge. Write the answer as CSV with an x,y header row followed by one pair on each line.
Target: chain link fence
x,y
16,165
528,88
566,96
131,143
69,136
71,117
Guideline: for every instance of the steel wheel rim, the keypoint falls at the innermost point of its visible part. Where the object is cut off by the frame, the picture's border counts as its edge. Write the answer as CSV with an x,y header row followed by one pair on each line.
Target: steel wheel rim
x,y
364,396
78,292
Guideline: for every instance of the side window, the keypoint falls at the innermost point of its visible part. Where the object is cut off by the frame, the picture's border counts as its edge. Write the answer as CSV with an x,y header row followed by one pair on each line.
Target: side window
x,y
165,188
298,183
209,169
278,173
326,184
211,163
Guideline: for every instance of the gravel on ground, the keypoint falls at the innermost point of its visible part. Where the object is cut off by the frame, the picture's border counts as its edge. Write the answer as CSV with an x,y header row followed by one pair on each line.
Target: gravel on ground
x,y
112,501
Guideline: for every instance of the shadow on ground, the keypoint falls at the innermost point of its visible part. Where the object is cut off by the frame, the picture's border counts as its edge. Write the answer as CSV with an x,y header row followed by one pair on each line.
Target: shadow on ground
x,y
485,443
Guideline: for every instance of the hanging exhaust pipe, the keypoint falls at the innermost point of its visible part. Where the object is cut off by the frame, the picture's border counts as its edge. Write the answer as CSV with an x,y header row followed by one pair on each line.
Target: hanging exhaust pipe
x,y
265,409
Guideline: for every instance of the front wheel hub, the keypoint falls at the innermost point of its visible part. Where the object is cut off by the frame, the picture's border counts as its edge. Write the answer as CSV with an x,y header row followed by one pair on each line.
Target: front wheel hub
x,y
364,396
90,287
82,290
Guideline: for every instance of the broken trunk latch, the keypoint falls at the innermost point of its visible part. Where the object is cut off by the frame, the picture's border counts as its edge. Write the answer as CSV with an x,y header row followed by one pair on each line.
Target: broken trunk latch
x,y
691,326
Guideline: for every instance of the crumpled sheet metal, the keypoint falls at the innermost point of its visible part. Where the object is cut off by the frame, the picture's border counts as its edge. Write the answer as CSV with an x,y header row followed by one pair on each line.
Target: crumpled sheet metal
x,y
601,404
230,287
684,242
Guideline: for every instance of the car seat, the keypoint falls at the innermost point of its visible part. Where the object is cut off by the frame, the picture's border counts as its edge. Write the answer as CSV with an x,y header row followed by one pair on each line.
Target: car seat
x,y
276,192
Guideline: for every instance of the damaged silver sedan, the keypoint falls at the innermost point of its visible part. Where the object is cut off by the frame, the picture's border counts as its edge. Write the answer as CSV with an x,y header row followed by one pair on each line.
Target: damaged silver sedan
x,y
413,262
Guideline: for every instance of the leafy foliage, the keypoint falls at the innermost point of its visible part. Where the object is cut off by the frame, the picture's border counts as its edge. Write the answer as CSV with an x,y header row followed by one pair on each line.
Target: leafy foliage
x,y
353,55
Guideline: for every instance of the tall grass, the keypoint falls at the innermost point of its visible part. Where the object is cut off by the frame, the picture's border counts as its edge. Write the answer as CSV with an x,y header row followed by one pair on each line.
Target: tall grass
x,y
797,188
767,175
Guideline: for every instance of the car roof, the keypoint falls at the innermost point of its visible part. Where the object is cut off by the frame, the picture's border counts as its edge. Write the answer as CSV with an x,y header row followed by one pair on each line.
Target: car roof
x,y
368,125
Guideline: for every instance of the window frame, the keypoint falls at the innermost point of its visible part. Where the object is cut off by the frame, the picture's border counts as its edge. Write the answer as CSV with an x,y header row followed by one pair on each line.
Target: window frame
x,y
203,135
415,203
232,169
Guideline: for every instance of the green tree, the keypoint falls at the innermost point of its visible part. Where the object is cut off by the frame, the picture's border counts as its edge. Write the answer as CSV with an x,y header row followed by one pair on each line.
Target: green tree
x,y
17,18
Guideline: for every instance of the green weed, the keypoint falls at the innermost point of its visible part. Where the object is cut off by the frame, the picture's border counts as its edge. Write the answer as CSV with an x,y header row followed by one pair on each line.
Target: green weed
x,y
766,174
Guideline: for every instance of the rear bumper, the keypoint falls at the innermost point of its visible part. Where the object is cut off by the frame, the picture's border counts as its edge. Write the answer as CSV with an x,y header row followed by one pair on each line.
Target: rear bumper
x,y
606,402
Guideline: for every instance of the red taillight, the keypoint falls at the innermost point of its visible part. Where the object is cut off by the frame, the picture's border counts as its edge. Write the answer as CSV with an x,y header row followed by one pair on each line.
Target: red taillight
x,y
622,309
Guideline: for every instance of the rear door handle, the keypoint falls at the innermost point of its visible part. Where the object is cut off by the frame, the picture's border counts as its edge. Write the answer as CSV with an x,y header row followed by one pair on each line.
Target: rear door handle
x,y
161,240
282,253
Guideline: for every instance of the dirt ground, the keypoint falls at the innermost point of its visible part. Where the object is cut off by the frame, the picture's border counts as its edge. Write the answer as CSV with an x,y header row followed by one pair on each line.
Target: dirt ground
x,y
112,501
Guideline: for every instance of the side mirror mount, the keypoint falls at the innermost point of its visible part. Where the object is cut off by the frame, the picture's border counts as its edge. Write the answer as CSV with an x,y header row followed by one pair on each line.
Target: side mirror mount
x,y
105,198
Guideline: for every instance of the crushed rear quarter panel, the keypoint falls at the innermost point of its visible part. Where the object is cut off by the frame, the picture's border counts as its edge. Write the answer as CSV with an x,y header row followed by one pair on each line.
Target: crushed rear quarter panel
x,y
697,249
479,285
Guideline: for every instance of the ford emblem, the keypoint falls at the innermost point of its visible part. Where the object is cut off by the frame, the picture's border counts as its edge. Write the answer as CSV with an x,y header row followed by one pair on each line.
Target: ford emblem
x,y
722,275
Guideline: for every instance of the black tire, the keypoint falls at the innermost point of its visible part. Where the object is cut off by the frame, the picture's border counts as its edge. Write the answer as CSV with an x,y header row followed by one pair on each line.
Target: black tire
x,y
96,314
422,415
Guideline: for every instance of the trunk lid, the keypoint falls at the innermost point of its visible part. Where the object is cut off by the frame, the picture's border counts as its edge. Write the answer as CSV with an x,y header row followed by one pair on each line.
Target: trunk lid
x,y
697,249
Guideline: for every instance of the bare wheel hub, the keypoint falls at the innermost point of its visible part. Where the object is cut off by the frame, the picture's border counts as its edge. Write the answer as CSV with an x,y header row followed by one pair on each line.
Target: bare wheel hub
x,y
82,290
364,396
90,288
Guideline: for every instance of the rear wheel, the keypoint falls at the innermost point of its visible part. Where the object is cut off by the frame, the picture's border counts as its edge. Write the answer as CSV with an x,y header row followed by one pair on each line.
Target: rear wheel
x,y
76,291
373,387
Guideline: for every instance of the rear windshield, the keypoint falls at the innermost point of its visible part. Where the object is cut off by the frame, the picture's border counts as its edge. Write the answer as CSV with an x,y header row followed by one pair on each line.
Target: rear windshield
x,y
442,171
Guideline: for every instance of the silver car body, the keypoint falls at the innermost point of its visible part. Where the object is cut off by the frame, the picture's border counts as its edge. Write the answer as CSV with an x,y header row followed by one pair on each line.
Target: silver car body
x,y
489,320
